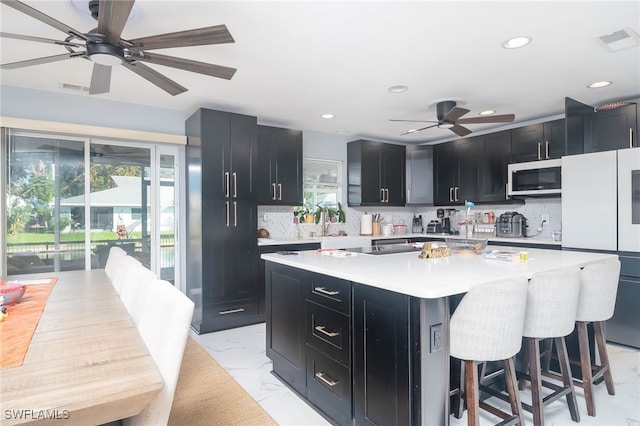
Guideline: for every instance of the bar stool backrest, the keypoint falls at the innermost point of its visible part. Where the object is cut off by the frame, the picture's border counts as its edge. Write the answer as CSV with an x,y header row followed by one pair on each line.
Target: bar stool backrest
x,y
487,324
552,302
598,292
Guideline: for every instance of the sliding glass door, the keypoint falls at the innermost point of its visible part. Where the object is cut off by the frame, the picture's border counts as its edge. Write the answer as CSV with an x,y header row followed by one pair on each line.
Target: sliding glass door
x,y
69,200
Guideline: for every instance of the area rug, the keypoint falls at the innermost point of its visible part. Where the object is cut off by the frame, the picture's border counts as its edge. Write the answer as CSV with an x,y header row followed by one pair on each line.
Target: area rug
x,y
207,395
18,327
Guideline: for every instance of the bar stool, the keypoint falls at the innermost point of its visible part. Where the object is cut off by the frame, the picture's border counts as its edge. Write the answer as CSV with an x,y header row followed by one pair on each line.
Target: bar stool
x,y
596,305
487,326
552,303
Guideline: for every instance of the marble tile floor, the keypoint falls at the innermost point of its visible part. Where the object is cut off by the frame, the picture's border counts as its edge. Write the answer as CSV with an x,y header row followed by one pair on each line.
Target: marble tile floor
x,y
241,352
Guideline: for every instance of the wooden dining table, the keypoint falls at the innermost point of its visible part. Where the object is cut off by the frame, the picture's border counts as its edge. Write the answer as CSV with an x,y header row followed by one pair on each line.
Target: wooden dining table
x,y
86,363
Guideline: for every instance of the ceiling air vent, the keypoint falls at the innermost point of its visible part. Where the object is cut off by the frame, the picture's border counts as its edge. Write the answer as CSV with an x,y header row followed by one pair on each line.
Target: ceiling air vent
x,y
619,40
612,105
74,87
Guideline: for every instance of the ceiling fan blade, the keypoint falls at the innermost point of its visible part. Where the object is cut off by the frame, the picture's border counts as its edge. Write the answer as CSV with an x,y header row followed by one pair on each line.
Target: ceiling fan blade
x,y
39,39
417,130
414,121
460,130
187,65
38,61
34,13
156,78
503,118
100,79
454,114
218,34
112,17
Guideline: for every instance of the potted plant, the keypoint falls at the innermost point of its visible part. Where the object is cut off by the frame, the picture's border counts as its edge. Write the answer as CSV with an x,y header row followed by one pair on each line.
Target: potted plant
x,y
333,215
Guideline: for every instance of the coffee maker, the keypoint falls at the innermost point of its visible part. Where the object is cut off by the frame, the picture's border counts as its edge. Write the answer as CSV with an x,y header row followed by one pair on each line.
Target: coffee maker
x,y
445,220
416,226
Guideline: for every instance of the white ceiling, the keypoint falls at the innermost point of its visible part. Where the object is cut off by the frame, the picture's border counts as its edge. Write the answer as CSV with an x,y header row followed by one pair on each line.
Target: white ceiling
x,y
297,60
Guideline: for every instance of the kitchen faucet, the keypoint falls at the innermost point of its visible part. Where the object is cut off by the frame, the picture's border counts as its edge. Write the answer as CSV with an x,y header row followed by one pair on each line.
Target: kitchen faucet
x,y
324,223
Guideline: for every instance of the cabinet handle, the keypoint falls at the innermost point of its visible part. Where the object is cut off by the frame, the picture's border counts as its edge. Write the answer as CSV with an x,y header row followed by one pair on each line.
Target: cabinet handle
x,y
506,191
387,195
231,311
226,184
456,192
539,156
382,195
235,214
630,137
235,185
321,329
329,382
279,191
546,149
227,217
451,194
273,187
322,290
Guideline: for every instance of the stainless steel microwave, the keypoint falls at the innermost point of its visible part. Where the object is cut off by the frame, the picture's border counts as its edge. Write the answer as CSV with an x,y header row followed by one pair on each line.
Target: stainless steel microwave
x,y
535,178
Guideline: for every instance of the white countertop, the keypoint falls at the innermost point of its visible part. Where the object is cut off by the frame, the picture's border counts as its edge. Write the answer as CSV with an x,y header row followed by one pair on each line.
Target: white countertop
x,y
283,241
432,278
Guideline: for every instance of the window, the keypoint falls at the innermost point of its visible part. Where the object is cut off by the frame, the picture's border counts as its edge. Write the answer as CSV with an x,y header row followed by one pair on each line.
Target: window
x,y
322,183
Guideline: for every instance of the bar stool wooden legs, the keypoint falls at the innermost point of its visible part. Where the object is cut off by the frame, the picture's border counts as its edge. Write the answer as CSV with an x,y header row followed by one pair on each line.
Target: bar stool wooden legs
x,y
591,372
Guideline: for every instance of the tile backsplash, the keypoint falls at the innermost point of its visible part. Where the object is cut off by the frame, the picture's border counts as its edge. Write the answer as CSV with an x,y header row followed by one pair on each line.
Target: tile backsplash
x,y
279,220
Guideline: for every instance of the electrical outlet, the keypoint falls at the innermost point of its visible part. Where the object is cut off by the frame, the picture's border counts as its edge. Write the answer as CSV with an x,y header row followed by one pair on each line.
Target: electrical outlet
x,y
436,338
545,218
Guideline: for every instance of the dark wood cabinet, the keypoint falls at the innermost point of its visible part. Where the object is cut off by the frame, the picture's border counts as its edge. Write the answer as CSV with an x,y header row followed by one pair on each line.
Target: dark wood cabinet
x,y
496,155
376,173
612,129
456,171
385,391
278,166
262,270
541,141
285,325
221,216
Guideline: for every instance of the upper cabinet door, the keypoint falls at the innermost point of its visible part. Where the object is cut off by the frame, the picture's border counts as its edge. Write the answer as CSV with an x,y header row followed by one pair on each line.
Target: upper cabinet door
x,y
278,166
393,171
612,129
493,167
242,143
445,173
527,143
376,173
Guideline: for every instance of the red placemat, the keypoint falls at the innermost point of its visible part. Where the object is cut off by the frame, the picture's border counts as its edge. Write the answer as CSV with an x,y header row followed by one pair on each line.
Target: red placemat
x,y
17,329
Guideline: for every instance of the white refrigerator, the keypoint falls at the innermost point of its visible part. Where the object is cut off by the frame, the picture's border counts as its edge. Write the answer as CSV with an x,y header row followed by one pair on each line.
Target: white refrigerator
x,y
601,211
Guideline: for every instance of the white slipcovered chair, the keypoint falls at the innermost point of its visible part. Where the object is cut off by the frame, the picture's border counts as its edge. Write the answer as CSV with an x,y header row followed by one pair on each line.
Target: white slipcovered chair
x,y
596,304
113,261
487,326
164,326
120,275
135,290
552,304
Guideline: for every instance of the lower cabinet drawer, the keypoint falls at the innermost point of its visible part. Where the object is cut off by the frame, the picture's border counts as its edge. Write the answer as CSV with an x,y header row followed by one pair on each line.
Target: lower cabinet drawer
x,y
328,331
329,386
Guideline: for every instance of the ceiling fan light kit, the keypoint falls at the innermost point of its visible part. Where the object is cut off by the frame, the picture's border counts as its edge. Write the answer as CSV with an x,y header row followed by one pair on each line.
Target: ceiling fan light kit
x,y
105,48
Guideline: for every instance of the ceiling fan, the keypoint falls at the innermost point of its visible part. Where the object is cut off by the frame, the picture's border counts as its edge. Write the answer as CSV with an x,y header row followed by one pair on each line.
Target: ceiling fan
x,y
104,46
449,118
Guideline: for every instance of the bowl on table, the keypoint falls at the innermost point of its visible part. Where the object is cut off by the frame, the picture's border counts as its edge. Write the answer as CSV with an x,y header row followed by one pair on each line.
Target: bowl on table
x,y
466,245
11,293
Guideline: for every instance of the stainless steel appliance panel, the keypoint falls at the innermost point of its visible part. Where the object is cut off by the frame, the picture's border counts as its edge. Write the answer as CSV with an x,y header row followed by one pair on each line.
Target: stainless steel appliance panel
x,y
629,199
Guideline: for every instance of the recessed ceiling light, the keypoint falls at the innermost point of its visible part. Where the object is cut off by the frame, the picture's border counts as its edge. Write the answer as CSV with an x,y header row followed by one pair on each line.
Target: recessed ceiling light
x,y
516,42
599,84
398,89
487,112
327,116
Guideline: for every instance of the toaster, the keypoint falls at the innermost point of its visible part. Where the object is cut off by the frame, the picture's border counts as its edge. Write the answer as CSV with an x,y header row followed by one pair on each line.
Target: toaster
x,y
511,224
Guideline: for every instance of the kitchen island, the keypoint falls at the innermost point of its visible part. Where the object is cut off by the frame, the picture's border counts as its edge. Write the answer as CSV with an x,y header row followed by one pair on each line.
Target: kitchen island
x,y
365,338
